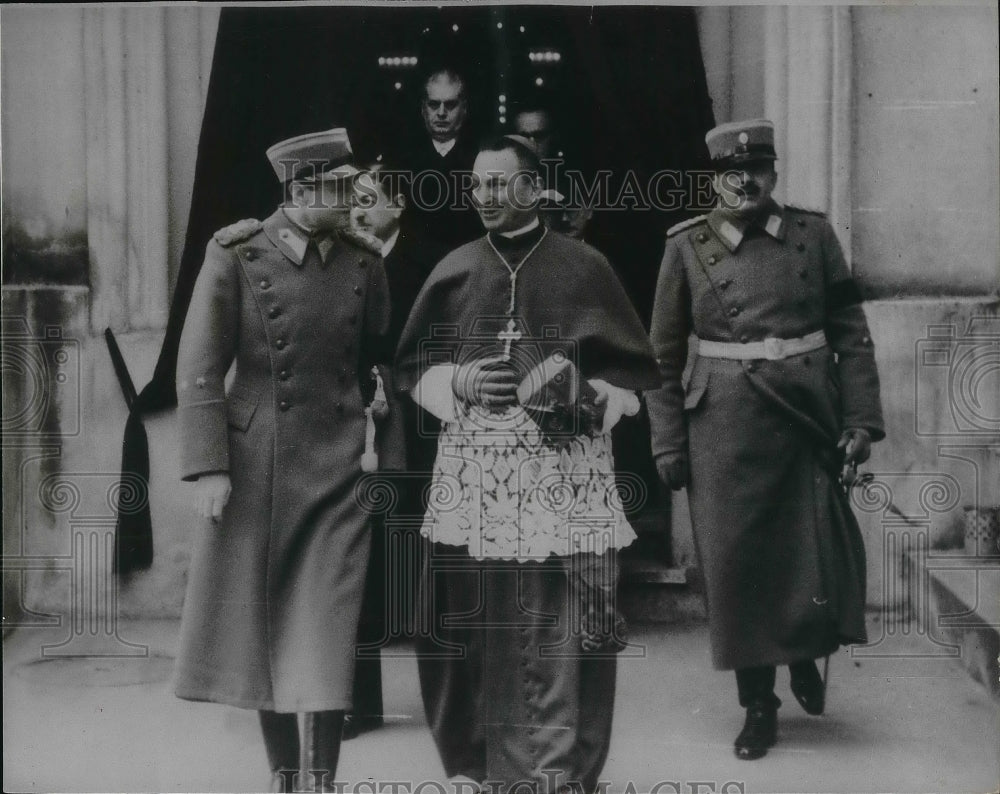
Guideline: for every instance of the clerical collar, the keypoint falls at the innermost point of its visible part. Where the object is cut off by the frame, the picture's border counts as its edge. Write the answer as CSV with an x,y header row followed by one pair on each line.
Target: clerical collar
x,y
523,230
389,244
517,243
443,147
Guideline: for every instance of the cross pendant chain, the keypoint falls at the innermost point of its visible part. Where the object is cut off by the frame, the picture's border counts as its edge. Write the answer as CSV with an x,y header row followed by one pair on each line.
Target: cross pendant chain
x,y
511,334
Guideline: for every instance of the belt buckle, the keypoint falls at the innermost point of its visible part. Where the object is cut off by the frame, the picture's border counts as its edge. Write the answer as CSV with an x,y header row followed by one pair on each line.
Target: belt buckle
x,y
774,348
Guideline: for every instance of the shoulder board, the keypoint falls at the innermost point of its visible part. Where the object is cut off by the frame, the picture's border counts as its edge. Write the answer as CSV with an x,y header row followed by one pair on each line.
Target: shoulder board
x,y
364,240
679,227
237,232
806,210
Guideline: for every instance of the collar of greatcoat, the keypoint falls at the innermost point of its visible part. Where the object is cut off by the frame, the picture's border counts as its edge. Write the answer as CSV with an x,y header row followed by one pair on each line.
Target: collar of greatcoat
x,y
731,229
292,240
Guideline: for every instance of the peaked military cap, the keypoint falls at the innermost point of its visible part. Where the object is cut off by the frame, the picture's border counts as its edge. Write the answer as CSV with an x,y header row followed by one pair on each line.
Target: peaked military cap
x,y
314,157
738,142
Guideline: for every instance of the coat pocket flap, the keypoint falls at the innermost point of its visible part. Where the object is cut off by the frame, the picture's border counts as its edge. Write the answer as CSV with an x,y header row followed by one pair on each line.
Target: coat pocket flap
x,y
695,392
240,408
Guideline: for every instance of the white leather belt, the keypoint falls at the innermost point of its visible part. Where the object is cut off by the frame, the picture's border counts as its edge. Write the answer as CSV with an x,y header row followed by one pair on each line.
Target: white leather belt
x,y
772,349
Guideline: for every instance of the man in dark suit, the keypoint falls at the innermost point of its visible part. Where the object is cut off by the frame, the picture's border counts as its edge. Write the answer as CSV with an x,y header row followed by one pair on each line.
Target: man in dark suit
x,y
438,163
378,206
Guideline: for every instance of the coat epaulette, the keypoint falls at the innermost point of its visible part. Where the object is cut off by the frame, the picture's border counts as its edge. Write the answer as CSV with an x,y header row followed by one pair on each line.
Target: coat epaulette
x,y
369,242
237,232
679,227
806,210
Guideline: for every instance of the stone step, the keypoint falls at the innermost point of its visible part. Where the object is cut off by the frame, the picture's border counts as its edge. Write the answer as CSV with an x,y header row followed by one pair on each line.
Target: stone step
x,y
963,607
653,592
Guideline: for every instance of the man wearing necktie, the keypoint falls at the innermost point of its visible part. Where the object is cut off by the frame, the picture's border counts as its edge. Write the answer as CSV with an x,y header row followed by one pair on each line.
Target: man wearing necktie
x,y
297,306
783,394
438,164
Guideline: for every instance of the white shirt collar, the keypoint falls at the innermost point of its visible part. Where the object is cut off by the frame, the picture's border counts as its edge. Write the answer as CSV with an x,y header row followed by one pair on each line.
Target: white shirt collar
x,y
523,230
389,244
443,147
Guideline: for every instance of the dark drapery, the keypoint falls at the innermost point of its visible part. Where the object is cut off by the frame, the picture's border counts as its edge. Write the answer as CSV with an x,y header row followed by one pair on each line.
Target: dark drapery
x,y
630,88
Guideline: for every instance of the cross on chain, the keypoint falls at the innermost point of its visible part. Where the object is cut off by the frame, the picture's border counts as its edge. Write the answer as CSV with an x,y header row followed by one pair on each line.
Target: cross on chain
x,y
507,336
510,333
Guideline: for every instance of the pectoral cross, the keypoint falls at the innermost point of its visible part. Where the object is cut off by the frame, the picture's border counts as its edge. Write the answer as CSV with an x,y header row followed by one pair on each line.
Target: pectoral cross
x,y
507,336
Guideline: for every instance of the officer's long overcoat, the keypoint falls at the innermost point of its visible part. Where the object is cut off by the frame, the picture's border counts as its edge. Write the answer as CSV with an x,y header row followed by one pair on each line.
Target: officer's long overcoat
x,y
781,551
274,589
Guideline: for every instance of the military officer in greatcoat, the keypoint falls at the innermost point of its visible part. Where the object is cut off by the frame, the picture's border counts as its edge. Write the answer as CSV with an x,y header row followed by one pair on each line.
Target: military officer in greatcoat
x,y
297,305
781,403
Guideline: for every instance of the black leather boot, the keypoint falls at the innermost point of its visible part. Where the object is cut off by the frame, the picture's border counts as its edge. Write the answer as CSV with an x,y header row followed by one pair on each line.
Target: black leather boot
x,y
808,686
321,732
760,731
281,740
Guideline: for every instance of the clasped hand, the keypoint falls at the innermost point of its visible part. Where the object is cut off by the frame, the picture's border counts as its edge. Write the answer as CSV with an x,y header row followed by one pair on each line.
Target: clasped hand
x,y
487,382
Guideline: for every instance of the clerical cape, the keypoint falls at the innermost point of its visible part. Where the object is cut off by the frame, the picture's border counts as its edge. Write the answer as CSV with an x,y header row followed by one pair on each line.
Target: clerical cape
x,y
505,488
568,297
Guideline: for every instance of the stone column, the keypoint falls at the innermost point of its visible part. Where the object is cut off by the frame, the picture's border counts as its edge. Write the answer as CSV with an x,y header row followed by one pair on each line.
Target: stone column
x,y
805,69
808,96
145,74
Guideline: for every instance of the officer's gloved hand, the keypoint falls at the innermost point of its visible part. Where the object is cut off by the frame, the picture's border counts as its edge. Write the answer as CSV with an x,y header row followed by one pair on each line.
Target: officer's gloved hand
x,y
857,445
487,382
674,470
211,493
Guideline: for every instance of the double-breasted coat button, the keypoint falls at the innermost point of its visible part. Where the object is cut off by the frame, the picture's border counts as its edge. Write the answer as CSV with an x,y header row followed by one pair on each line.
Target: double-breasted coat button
x,y
744,339
701,237
362,263
806,360
284,405
712,260
280,344
734,311
250,254
265,284
284,375
357,290
273,312
752,366
724,284
339,407
801,246
801,222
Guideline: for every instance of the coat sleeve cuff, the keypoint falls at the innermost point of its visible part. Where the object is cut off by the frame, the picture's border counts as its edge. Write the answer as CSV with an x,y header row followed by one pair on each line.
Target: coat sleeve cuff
x,y
434,394
204,439
621,402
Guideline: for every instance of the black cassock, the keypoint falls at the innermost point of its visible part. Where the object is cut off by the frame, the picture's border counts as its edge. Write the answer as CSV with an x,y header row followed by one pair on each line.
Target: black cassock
x,y
507,690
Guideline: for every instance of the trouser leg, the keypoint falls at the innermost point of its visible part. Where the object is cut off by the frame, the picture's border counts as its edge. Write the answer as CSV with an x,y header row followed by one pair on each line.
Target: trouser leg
x,y
281,740
321,731
594,586
756,685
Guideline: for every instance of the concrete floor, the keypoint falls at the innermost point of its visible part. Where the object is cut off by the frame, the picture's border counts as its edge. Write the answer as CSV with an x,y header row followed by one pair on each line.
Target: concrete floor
x,y
892,725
